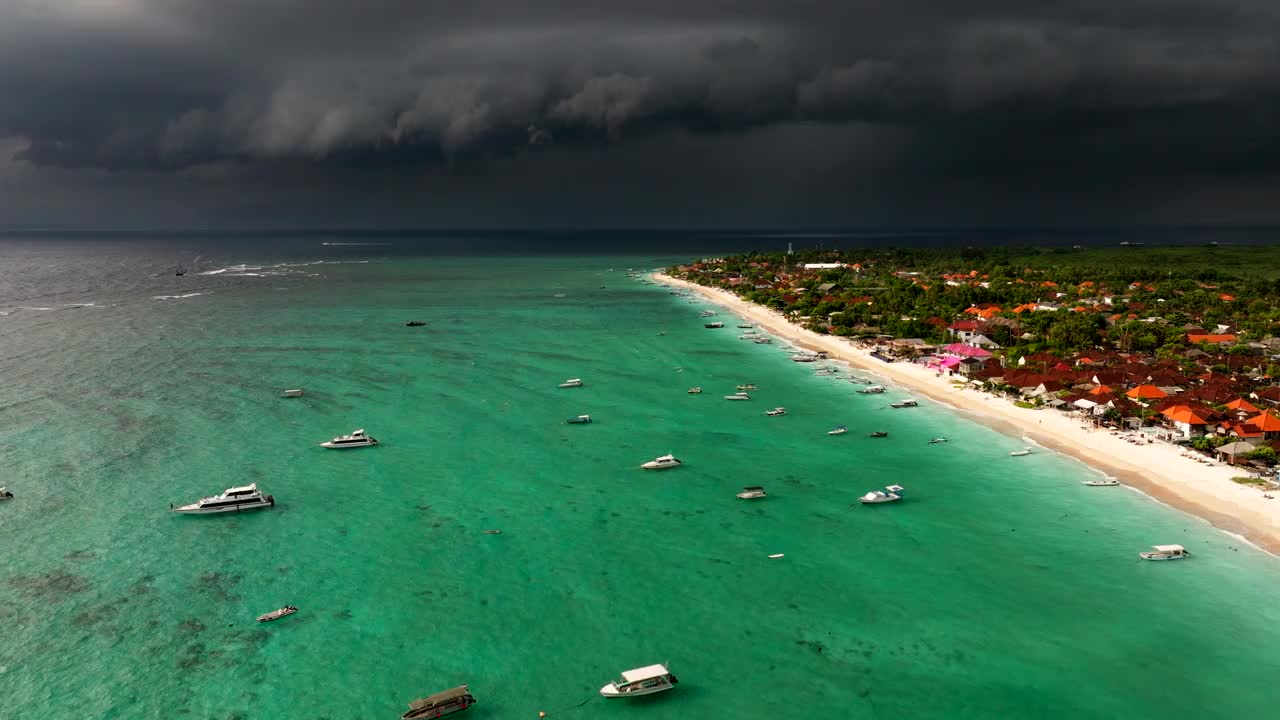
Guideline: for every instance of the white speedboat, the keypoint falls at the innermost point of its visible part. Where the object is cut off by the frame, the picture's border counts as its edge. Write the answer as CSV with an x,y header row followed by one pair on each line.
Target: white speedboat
x,y
695,391
1165,552
892,493
641,681
662,463
292,393
570,383
1020,453
233,499
5,494
357,438
838,430
1105,482
442,703
277,614
776,411
752,492
872,390
738,396
904,404
935,441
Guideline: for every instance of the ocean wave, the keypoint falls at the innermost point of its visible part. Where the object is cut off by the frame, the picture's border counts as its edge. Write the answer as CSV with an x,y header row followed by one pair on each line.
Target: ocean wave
x,y
177,297
219,271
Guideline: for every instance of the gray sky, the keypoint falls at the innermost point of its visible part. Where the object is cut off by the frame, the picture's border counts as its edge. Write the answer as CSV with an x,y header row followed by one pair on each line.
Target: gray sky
x,y
627,113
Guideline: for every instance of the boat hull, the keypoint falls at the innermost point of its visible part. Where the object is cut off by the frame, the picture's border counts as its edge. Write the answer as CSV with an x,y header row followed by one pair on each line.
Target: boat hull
x,y
195,509
611,691
347,446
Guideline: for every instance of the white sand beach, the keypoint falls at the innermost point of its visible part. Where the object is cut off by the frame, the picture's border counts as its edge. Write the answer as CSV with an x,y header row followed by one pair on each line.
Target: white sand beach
x,y
1158,469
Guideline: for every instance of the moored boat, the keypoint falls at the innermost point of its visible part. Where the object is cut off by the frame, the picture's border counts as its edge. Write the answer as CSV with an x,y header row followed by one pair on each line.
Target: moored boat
x,y
277,614
1020,453
878,433
415,323
295,392
580,420
763,341
838,430
663,462
872,390
937,440
713,325
752,492
442,703
357,438
695,391
641,681
738,396
571,383
746,387
1104,482
776,411
234,499
892,493
904,404
1165,552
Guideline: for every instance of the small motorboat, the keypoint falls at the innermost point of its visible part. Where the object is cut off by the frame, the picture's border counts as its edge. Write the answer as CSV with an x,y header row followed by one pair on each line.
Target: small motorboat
x,y
571,383
277,614
935,441
357,438
415,323
296,392
713,325
695,391
872,390
442,703
738,396
777,556
1020,453
1104,482
878,433
662,463
752,492
892,493
776,411
580,420
1165,552
904,404
746,387
641,681
838,430
5,494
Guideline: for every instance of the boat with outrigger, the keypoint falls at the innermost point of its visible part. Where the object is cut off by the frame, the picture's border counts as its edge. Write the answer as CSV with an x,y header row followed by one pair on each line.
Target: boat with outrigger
x,y
442,703
641,681
285,611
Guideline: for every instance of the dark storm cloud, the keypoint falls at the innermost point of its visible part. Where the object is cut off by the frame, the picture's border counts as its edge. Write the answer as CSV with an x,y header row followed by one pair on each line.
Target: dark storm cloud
x,y
994,88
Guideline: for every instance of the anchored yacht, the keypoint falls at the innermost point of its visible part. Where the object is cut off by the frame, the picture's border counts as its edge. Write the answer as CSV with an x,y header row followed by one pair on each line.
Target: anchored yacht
x,y
230,500
641,681
662,463
892,493
357,438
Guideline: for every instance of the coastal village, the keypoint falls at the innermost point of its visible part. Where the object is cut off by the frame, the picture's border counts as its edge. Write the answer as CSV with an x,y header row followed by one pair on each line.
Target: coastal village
x,y
1158,353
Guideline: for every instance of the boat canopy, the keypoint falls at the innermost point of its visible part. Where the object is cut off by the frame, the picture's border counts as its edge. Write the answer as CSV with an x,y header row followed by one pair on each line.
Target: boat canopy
x,y
753,487
895,488
645,673
252,487
1168,548
440,698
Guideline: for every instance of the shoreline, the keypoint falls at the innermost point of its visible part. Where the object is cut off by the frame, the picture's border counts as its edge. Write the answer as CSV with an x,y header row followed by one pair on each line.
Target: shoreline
x,y
1157,470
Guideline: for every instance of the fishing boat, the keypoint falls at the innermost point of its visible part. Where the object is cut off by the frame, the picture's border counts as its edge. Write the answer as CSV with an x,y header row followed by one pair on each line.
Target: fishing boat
x,y
1165,552
296,392
357,438
935,441
1104,482
442,703
233,499
738,396
776,411
571,383
277,614
580,420
1020,453
641,681
872,390
695,391
904,404
838,430
752,492
662,463
878,434
892,493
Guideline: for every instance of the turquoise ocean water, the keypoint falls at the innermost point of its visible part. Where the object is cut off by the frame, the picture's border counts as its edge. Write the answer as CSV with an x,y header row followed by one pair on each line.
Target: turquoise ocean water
x,y
1001,588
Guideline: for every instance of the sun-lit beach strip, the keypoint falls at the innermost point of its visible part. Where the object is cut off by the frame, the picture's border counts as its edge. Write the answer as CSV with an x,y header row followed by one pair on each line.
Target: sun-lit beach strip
x,y
1159,469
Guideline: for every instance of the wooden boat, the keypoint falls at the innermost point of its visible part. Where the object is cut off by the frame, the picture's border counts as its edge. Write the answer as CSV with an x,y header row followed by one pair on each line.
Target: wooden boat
x,y
277,614
442,703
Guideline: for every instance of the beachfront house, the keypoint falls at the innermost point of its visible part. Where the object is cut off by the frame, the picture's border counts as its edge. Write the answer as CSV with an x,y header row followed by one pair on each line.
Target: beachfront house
x,y
1186,421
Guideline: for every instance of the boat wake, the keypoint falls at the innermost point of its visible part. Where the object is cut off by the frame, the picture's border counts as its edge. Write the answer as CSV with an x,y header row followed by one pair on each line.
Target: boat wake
x,y
177,297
